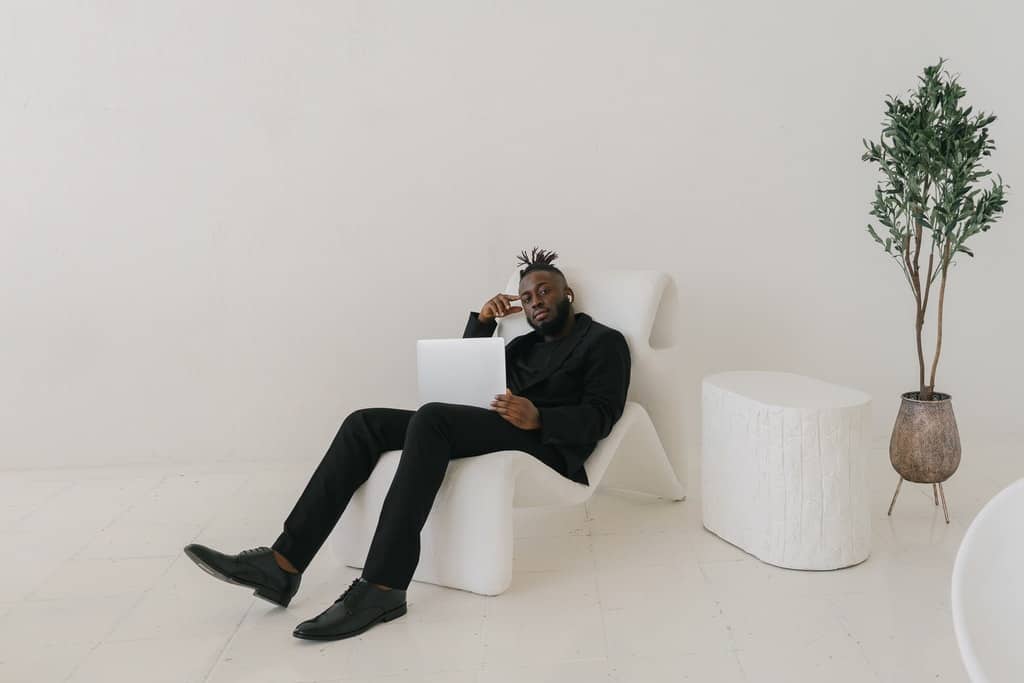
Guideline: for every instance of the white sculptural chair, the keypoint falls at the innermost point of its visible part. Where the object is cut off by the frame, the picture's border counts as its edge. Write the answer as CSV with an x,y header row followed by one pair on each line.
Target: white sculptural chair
x,y
467,541
988,590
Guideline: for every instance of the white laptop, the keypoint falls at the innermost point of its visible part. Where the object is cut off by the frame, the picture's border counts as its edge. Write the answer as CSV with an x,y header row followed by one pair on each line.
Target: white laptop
x,y
469,371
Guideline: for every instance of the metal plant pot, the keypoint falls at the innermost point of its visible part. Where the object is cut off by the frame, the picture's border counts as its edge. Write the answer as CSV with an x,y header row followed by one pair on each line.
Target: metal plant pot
x,y
925,444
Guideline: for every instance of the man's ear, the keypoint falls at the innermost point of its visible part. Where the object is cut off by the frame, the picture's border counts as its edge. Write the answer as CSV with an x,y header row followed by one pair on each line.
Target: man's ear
x,y
570,295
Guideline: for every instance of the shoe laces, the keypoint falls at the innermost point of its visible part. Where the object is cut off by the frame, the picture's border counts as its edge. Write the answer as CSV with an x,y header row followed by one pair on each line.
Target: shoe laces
x,y
348,590
254,551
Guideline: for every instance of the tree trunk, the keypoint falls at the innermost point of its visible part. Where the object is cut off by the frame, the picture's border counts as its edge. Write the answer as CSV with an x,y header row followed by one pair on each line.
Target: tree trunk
x,y
920,354
942,301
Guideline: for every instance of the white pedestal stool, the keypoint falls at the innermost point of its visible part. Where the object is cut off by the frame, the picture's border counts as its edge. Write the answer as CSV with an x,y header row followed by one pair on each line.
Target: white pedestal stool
x,y
783,468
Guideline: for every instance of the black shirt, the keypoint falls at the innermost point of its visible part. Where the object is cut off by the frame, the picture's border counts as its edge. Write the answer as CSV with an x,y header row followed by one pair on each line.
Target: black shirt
x,y
525,368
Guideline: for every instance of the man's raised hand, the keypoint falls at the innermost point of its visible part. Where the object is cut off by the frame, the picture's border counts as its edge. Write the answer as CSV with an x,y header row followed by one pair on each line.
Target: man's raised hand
x,y
498,306
518,410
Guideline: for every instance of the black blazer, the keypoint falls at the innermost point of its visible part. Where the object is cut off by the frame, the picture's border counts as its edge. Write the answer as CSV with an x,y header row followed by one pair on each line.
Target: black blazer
x,y
582,393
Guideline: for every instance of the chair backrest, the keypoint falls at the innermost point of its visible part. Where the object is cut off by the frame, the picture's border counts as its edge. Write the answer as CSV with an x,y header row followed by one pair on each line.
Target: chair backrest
x,y
988,589
627,300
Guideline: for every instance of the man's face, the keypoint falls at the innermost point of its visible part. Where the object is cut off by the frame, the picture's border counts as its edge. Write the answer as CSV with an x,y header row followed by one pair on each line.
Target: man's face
x,y
545,301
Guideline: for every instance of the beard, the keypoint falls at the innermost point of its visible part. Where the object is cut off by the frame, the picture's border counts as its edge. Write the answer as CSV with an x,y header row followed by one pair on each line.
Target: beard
x,y
556,320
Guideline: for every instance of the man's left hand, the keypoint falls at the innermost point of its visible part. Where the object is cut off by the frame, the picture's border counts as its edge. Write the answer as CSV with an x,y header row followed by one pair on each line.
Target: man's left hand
x,y
518,410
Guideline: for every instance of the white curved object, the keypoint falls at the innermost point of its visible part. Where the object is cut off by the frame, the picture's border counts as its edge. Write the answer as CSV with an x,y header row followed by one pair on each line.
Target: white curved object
x,y
782,468
988,590
468,536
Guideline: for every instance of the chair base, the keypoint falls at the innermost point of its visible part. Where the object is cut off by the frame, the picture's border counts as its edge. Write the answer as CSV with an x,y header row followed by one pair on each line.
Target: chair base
x,y
467,540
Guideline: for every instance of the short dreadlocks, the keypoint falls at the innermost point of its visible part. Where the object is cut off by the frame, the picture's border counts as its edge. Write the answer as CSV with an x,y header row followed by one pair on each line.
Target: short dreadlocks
x,y
538,259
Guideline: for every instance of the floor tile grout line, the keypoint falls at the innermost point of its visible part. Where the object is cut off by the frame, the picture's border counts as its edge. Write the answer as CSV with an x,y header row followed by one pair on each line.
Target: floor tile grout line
x,y
118,622
730,633
597,586
117,517
484,619
212,518
124,513
239,465
735,655
860,647
43,503
227,642
83,544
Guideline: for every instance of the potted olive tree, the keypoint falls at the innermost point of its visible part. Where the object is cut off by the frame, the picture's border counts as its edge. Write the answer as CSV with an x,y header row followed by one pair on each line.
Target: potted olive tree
x,y
930,201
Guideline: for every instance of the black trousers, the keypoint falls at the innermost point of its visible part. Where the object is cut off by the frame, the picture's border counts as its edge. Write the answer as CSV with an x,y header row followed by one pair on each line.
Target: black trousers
x,y
429,438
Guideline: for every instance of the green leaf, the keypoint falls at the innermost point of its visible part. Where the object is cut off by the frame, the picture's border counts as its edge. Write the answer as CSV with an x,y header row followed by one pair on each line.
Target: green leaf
x,y
929,155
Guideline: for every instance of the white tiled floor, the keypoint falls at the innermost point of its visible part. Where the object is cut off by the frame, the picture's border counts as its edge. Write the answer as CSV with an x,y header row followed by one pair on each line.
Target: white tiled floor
x,y
625,588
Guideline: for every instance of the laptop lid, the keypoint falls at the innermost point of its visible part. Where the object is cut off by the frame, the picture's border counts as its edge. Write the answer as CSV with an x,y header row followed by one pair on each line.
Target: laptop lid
x,y
466,371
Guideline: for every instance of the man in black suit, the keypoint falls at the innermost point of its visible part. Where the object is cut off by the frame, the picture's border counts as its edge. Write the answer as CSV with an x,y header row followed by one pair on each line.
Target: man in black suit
x,y
567,383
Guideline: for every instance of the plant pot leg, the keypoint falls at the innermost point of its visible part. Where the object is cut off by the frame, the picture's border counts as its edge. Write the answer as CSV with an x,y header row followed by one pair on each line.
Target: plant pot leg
x,y
935,490
945,510
898,485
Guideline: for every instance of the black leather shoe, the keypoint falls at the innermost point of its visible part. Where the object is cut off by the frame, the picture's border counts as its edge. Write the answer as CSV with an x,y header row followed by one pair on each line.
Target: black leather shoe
x,y
360,607
255,568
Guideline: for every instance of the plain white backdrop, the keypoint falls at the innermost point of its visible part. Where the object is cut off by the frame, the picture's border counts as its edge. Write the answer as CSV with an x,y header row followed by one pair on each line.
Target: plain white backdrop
x,y
223,225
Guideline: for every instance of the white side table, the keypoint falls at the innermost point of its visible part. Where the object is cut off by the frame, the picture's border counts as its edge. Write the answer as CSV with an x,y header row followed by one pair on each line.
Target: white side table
x,y
783,468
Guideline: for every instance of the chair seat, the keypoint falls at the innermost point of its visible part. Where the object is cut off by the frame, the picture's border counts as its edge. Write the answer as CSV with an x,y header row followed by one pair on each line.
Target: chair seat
x,y
537,485
467,541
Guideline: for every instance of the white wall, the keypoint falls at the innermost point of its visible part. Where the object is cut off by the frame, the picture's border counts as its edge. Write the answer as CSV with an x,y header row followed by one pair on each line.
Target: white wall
x,y
224,224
